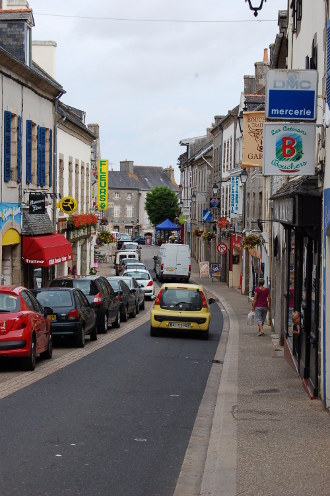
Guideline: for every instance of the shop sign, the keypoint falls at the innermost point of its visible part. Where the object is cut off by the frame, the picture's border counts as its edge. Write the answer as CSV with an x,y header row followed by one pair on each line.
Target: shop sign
x,y
289,149
253,139
291,95
68,205
234,197
236,242
283,210
10,211
103,185
37,203
204,269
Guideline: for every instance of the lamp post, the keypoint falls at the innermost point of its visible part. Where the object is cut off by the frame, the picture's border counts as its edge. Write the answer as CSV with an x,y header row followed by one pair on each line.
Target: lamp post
x,y
244,177
256,9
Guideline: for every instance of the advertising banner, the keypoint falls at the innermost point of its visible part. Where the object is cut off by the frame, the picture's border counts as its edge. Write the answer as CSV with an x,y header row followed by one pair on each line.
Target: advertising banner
x,y
289,149
10,211
253,139
102,197
234,196
204,269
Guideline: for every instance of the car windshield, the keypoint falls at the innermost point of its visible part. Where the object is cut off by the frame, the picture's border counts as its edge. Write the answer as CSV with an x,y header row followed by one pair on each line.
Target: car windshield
x,y
130,246
135,266
181,299
54,298
114,283
9,303
138,275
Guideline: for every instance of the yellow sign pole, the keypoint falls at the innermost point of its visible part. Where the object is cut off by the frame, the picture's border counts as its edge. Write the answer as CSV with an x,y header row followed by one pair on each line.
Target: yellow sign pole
x,y
102,197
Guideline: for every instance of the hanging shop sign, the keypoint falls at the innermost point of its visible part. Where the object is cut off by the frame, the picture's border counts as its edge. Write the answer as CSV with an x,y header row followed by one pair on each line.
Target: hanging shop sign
x,y
289,149
291,95
68,205
253,139
37,203
222,223
10,211
102,196
234,196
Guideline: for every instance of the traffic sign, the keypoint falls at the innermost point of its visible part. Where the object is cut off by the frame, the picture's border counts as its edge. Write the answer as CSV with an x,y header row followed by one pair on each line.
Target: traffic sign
x,y
214,202
207,215
222,248
68,205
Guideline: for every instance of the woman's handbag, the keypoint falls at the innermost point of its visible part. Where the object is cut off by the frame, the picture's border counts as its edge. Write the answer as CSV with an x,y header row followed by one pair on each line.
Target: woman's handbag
x,y
251,319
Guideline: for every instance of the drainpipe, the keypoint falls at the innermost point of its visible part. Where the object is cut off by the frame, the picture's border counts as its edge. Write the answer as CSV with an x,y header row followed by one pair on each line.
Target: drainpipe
x,y
55,158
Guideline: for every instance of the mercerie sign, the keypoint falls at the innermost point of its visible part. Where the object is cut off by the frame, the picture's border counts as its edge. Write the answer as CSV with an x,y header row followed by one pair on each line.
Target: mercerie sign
x,y
103,185
291,95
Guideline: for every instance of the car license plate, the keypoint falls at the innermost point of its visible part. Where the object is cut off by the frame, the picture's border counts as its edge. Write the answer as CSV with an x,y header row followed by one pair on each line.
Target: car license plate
x,y
51,317
179,325
169,270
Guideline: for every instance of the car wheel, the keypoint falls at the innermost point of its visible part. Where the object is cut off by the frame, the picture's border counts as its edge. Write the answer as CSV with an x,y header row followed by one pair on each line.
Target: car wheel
x,y
81,338
93,334
124,315
30,362
154,332
143,304
137,307
117,321
103,329
49,352
133,314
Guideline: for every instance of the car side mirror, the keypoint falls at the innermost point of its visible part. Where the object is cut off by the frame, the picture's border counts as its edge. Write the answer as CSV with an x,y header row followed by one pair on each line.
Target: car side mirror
x,y
155,257
48,311
211,300
133,290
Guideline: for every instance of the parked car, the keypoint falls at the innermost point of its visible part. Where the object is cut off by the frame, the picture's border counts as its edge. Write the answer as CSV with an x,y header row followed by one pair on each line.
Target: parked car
x,y
100,295
140,240
143,278
137,290
131,246
127,265
173,262
181,307
70,313
125,296
124,254
122,238
24,326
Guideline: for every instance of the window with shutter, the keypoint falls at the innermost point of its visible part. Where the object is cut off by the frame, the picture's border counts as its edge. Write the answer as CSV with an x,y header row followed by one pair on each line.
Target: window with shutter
x,y
19,149
28,152
42,156
7,146
50,157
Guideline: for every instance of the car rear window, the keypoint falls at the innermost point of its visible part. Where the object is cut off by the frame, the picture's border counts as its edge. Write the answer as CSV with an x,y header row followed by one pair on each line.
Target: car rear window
x,y
138,275
86,286
181,299
54,298
115,284
9,303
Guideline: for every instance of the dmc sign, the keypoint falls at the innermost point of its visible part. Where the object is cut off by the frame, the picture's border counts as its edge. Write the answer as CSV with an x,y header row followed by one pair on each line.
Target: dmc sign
x,y
291,95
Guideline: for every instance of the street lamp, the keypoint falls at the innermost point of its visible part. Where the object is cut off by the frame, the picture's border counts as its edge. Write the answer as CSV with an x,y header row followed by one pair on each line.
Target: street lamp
x,y
256,9
215,190
193,198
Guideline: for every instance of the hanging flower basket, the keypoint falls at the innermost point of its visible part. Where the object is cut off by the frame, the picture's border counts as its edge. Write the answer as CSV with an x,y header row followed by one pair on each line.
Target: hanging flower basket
x,y
251,241
105,238
208,235
81,221
198,232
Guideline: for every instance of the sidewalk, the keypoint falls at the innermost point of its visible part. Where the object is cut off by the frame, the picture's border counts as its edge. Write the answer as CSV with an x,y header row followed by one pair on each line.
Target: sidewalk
x,y
267,437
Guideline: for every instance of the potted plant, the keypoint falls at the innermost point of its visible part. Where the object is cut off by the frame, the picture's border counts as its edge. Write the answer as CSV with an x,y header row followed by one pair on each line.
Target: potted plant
x,y
198,232
251,241
208,235
105,238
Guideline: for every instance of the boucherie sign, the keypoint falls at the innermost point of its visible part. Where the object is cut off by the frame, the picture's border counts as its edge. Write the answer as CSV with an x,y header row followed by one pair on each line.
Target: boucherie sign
x,y
289,149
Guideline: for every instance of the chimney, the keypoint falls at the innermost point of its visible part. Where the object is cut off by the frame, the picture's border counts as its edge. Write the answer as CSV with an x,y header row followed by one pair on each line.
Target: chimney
x,y
127,166
169,171
44,54
266,55
16,22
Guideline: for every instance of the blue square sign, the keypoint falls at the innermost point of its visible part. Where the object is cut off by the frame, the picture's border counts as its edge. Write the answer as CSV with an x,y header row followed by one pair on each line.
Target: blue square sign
x,y
207,215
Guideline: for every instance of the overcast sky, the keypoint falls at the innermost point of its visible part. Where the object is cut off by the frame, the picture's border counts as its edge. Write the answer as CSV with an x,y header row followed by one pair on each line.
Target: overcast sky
x,y
151,84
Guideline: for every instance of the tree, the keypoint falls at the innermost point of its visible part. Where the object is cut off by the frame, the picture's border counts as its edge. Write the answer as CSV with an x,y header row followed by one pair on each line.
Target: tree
x,y
161,204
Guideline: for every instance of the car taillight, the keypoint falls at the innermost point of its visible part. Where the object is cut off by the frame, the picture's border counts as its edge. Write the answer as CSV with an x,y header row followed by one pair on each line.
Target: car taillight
x,y
161,266
18,324
189,268
98,299
73,314
204,302
150,283
157,300
119,297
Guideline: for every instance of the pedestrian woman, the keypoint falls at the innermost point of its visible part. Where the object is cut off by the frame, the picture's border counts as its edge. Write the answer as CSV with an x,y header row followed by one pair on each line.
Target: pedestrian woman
x,y
261,304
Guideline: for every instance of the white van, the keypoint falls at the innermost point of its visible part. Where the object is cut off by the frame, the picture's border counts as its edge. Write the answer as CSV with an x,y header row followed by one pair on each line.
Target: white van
x,y
124,254
173,262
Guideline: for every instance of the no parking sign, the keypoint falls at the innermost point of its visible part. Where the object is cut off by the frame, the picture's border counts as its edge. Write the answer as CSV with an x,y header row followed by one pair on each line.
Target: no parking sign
x,y
222,248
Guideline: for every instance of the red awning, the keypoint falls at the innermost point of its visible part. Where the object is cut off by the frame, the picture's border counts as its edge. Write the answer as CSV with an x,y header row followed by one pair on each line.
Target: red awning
x,y
47,250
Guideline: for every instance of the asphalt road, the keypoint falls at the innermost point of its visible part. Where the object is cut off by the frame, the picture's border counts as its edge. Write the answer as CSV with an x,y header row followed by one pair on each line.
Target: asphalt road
x,y
115,423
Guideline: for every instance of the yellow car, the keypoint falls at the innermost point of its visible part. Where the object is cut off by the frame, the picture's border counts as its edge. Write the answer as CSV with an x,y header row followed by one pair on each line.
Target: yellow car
x,y
181,307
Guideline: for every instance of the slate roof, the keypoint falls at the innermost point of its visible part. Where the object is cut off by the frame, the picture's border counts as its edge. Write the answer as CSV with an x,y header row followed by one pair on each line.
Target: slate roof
x,y
75,116
37,224
144,178
303,185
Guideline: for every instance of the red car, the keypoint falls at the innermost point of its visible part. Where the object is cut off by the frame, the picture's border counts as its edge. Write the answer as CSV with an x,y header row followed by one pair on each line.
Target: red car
x,y
24,327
